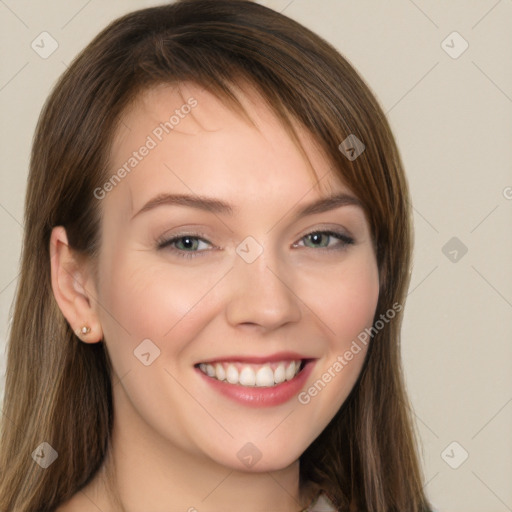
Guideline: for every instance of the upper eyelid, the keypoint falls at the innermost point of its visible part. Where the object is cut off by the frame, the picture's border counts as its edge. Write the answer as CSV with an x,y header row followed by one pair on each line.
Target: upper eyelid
x,y
191,230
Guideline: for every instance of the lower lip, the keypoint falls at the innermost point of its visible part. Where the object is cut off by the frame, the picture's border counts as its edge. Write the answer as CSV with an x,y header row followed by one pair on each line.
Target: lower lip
x,y
261,396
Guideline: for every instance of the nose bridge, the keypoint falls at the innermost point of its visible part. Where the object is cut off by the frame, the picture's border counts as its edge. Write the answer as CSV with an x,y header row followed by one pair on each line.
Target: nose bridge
x,y
261,291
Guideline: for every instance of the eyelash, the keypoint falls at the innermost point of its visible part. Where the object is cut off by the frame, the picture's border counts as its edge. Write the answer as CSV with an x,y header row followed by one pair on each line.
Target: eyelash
x,y
162,244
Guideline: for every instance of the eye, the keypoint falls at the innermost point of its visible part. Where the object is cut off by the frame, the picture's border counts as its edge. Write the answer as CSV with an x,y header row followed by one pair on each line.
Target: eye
x,y
189,245
322,239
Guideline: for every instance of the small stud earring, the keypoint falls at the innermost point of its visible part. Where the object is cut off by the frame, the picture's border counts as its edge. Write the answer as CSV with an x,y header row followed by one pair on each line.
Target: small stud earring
x,y
85,329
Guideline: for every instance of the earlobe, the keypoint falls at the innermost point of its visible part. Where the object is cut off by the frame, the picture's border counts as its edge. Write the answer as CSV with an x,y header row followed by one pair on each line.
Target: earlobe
x,y
73,290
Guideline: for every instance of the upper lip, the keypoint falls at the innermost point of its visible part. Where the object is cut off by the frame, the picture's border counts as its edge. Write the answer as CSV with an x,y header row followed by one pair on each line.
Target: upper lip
x,y
278,356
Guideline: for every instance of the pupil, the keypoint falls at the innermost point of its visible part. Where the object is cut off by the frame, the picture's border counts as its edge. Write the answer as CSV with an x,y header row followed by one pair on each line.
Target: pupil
x,y
187,242
316,237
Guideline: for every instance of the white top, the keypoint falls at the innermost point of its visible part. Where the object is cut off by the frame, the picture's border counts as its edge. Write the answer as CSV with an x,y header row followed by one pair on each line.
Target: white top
x,y
321,504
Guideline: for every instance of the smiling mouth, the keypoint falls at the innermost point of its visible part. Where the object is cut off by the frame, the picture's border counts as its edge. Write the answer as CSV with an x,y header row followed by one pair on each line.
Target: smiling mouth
x,y
253,375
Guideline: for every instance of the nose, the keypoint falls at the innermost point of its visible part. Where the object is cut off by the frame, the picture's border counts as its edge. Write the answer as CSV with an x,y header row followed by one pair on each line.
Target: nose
x,y
261,294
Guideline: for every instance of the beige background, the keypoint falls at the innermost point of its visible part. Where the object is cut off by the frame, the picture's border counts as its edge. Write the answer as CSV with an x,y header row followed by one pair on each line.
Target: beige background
x,y
452,120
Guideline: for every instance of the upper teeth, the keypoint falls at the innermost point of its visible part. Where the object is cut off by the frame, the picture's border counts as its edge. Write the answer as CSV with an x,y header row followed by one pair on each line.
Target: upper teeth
x,y
268,374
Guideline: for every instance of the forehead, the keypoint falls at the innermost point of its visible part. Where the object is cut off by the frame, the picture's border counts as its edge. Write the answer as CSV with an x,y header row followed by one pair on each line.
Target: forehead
x,y
198,143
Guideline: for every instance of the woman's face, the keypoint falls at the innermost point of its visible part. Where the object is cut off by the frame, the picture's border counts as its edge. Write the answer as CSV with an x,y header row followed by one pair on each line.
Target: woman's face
x,y
249,287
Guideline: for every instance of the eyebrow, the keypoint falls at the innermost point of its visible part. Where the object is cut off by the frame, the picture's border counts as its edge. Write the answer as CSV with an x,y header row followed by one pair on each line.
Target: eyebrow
x,y
213,205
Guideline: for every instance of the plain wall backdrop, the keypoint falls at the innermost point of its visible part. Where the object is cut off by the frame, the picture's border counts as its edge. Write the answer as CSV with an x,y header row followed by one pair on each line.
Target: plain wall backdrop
x,y
442,73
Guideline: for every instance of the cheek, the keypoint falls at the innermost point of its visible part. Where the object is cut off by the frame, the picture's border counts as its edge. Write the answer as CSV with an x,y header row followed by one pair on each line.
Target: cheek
x,y
354,310
346,307
347,301
165,303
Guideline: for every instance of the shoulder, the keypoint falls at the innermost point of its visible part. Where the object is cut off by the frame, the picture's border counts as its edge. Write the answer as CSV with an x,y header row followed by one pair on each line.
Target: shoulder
x,y
90,498
79,502
75,504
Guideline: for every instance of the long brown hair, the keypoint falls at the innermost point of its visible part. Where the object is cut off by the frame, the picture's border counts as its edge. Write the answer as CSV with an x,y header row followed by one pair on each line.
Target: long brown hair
x,y
58,389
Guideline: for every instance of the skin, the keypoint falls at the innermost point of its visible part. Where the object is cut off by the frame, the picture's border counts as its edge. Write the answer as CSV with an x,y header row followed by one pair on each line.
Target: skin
x,y
176,439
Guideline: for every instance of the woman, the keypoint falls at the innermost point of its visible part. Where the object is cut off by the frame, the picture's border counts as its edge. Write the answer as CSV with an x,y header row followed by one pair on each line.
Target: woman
x,y
216,256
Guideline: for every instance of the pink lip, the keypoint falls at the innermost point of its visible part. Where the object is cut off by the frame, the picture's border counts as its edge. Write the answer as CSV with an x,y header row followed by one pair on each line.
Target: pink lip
x,y
278,356
264,396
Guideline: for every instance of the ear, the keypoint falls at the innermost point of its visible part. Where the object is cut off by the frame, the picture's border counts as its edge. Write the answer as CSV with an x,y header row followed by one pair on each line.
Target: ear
x,y
73,288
